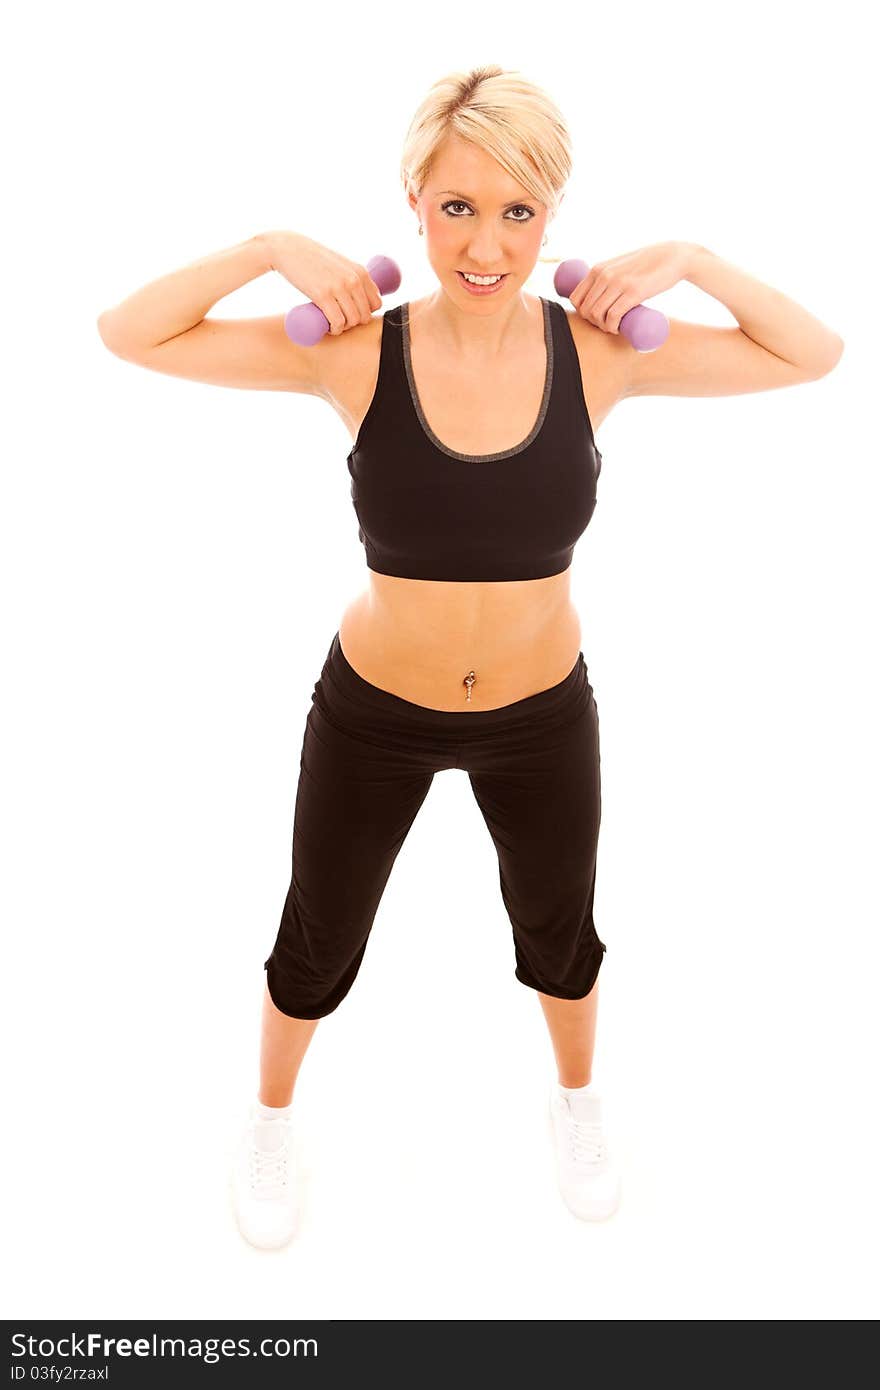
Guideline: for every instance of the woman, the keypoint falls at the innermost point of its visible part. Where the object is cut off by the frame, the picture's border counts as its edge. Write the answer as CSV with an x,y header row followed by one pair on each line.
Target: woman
x,y
473,471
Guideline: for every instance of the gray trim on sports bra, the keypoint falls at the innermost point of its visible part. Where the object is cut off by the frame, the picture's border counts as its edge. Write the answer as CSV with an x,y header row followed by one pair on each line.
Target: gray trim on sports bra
x,y
504,453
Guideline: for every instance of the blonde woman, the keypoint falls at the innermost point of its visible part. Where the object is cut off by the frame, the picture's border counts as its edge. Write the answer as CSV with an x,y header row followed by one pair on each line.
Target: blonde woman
x,y
474,472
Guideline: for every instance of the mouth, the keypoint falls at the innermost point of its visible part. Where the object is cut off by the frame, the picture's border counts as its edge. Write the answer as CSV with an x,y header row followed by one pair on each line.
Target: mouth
x,y
471,286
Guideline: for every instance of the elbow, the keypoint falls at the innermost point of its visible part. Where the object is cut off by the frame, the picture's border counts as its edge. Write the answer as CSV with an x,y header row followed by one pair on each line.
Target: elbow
x,y
833,355
105,331
112,339
836,354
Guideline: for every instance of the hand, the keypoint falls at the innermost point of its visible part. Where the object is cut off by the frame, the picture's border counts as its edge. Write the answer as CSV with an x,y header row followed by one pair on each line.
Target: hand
x,y
342,289
611,288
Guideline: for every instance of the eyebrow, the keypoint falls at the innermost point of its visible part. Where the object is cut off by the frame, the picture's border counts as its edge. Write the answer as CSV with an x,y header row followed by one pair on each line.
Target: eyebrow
x,y
512,204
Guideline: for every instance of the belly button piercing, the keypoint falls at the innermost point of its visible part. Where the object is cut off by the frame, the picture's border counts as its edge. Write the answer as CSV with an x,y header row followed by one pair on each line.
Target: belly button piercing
x,y
468,681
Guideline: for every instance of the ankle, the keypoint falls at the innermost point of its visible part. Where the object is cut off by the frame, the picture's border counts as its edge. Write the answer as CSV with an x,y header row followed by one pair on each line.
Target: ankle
x,y
575,1083
275,1106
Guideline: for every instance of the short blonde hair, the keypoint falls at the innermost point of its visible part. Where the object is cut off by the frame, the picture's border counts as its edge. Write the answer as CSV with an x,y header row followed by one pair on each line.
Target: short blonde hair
x,y
507,116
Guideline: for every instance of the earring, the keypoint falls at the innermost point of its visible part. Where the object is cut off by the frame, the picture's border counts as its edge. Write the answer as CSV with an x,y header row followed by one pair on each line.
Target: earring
x,y
544,242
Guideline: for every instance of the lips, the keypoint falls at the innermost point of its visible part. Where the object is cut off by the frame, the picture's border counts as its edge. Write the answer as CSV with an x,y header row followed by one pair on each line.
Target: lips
x,y
481,291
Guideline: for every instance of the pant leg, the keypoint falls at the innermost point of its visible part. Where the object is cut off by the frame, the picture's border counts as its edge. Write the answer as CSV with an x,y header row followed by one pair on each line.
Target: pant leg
x,y
355,804
541,800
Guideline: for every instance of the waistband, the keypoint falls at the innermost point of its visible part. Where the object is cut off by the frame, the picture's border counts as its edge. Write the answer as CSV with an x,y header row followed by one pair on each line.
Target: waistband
x,y
555,698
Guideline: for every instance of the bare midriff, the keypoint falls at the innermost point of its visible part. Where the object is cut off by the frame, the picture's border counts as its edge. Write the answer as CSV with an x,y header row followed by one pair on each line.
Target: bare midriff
x,y
421,639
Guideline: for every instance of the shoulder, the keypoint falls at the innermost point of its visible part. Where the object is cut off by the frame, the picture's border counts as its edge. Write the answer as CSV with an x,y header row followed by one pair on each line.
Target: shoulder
x,y
605,362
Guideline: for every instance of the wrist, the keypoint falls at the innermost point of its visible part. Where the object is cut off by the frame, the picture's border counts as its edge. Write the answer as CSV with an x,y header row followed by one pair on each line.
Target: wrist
x,y
697,255
263,244
269,243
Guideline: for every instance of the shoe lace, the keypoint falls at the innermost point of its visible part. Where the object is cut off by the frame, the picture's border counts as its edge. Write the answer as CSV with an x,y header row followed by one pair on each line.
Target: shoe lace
x,y
586,1142
268,1170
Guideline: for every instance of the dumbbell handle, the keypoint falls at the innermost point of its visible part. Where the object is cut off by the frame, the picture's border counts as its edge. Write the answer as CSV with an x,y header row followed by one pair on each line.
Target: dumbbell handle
x,y
306,324
646,329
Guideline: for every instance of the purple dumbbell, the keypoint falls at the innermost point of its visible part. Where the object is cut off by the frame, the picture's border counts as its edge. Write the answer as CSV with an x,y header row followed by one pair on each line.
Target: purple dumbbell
x,y
306,325
646,329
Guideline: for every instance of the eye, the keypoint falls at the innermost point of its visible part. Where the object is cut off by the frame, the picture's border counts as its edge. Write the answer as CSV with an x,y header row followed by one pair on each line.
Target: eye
x,y
459,203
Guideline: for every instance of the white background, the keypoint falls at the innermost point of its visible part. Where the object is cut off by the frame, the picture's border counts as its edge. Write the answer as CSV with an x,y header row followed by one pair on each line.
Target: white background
x,y
175,560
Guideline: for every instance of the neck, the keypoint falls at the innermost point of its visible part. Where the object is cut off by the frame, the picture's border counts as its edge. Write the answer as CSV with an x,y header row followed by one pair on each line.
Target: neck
x,y
486,331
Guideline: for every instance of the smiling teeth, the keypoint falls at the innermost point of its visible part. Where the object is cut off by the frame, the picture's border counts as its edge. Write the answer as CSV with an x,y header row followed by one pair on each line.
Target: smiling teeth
x,y
482,279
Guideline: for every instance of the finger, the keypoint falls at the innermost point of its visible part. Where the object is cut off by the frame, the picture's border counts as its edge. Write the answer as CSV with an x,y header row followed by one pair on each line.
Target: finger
x,y
361,294
615,312
373,296
351,314
580,292
347,300
619,309
587,308
605,305
333,313
358,302
362,300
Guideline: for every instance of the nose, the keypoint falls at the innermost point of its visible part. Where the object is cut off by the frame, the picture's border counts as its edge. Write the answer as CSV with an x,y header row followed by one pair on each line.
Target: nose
x,y
485,249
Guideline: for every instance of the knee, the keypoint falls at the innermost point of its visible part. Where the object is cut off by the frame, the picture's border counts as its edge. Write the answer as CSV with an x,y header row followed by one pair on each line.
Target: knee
x,y
567,972
317,953
299,994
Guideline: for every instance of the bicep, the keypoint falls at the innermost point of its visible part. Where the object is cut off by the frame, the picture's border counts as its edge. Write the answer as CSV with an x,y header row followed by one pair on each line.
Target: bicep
x,y
250,354
698,359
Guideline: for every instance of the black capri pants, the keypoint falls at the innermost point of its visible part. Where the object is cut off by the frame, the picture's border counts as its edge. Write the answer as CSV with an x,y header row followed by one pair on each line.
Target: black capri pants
x,y
368,759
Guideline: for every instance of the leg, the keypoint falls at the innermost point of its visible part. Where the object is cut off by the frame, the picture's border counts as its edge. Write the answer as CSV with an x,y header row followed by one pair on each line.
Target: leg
x,y
355,803
282,1047
540,795
572,1025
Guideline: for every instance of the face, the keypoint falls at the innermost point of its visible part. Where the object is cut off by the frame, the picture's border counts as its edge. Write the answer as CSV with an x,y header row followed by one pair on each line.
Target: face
x,y
480,220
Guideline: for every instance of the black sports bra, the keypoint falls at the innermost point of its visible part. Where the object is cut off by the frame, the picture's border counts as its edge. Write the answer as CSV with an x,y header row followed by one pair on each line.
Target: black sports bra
x,y
429,512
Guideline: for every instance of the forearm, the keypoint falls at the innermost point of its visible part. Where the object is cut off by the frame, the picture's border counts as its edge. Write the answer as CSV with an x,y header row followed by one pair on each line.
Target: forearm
x,y
177,301
766,315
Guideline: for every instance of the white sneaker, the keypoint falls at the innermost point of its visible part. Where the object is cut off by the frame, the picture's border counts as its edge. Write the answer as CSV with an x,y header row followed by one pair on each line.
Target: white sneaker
x,y
589,1179
264,1182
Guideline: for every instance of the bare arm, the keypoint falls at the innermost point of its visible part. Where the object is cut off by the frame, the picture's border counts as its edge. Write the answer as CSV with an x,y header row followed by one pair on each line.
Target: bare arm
x,y
767,316
176,302
777,343
166,326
